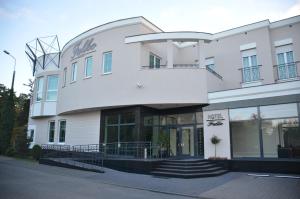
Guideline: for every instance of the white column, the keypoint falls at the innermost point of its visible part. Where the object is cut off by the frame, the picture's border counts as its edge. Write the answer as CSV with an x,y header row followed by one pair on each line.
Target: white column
x,y
201,56
170,54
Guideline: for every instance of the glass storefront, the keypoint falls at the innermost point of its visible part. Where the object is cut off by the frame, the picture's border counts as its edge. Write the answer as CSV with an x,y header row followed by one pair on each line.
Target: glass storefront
x,y
245,132
265,131
175,134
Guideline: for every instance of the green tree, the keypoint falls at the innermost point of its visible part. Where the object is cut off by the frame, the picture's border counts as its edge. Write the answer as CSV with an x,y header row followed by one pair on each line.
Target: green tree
x,y
7,117
215,140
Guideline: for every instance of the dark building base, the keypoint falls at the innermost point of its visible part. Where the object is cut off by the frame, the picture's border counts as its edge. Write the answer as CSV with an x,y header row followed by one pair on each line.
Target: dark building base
x,y
287,166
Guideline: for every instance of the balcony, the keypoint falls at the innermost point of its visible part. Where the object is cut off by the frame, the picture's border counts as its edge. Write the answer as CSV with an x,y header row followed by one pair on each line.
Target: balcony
x,y
250,75
182,66
287,71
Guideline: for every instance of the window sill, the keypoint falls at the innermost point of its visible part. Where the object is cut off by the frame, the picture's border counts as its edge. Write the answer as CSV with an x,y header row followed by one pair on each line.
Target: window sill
x,y
61,143
50,100
288,79
88,77
72,82
109,73
253,83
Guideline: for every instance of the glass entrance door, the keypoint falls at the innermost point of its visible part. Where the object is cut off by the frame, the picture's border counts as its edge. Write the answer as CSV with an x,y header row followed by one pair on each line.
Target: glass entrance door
x,y
185,141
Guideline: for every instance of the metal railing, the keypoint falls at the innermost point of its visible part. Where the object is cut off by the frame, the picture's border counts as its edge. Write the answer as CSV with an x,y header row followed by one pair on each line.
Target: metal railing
x,y
250,74
154,67
185,65
134,150
287,71
67,155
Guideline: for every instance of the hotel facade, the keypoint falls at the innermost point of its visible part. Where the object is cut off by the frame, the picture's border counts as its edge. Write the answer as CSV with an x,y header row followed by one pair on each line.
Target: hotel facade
x,y
128,81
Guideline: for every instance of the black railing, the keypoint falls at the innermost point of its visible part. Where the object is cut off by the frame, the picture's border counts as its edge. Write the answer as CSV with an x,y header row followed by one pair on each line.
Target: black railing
x,y
154,67
185,65
135,150
250,74
287,71
213,72
80,158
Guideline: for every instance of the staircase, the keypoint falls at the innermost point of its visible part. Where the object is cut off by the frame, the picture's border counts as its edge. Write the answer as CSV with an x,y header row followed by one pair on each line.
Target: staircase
x,y
189,168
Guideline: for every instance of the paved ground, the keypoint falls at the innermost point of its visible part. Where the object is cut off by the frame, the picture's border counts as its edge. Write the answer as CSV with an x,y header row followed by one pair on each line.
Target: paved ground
x,y
23,179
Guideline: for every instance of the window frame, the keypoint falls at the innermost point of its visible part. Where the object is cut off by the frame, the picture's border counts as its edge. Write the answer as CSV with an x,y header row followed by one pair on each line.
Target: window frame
x,y
74,70
86,76
154,63
56,90
59,131
103,63
38,87
49,128
65,71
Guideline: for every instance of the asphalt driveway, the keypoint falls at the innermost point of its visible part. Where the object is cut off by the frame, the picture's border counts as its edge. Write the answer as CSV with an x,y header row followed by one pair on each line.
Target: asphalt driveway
x,y
26,179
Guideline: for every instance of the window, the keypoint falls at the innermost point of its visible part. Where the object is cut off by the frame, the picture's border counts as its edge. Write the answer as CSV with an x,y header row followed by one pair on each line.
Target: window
x,y
120,127
107,62
280,130
286,65
62,131
52,88
154,61
278,111
88,67
74,72
51,131
39,89
65,77
250,69
244,126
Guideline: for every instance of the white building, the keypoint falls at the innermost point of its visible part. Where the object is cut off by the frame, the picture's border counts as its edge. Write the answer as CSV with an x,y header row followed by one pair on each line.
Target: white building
x,y
129,81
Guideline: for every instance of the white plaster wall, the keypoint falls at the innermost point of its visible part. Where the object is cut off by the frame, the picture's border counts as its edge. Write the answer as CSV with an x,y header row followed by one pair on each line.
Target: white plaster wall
x,y
222,132
81,128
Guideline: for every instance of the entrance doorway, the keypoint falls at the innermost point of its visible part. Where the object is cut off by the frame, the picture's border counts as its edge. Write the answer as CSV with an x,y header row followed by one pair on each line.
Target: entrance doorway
x,y
183,141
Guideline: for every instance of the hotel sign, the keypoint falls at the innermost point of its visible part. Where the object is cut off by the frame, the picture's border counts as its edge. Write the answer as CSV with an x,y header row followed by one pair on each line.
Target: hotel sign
x,y
215,119
81,48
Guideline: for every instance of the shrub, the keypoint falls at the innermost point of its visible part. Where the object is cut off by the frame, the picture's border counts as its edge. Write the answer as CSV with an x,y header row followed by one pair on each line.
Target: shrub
x,y
36,152
10,151
215,140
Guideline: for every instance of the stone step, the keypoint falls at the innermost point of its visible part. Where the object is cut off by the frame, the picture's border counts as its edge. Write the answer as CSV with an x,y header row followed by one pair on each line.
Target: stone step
x,y
189,175
205,166
185,163
160,169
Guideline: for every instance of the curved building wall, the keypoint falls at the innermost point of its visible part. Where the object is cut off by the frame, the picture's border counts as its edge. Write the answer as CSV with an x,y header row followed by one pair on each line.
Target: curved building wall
x,y
128,84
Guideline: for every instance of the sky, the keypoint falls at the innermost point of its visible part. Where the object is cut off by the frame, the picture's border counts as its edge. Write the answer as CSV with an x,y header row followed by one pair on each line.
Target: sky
x,y
23,21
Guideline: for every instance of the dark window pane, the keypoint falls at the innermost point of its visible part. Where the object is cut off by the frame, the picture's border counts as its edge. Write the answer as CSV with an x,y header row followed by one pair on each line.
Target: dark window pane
x,y
151,61
111,134
245,138
157,62
51,131
62,131
111,119
128,117
128,133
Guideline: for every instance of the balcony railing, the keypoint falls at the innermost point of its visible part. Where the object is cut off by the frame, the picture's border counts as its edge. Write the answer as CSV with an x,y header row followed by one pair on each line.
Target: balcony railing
x,y
185,65
250,74
287,71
